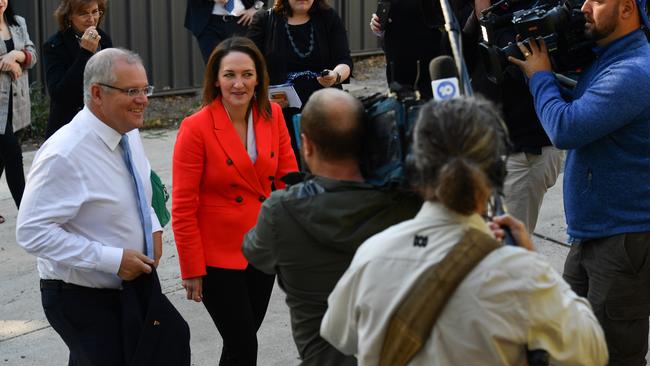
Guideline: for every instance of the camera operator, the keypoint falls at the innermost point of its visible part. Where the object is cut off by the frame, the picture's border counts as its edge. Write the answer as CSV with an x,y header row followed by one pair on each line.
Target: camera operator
x,y
511,299
605,126
533,162
309,232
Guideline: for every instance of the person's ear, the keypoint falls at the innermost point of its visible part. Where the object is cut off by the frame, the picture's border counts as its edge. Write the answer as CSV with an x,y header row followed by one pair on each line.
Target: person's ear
x,y
626,9
307,145
96,94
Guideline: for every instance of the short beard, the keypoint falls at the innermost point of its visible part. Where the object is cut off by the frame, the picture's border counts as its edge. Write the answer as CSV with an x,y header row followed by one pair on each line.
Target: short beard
x,y
596,34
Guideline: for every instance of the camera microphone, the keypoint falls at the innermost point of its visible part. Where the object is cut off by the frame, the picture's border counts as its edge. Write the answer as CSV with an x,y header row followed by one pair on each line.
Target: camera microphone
x,y
444,78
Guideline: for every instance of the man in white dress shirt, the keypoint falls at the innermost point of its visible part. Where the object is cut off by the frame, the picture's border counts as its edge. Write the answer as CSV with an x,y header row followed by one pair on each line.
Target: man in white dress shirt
x,y
83,213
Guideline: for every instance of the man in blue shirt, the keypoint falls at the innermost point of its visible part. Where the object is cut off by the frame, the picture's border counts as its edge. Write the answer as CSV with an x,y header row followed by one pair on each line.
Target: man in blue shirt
x,y
605,126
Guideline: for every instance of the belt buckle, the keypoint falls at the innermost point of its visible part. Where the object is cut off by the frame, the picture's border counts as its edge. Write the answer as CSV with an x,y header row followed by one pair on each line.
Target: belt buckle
x,y
227,18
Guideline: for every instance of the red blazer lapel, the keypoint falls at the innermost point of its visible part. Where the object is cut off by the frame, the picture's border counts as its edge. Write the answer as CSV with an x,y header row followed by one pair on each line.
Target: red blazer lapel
x,y
233,148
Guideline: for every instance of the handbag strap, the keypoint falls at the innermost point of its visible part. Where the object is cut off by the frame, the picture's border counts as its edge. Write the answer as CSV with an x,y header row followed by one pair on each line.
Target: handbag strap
x,y
411,324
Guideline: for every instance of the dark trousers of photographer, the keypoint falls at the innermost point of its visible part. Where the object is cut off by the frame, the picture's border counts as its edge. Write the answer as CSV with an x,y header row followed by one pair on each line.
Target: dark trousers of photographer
x,y
613,273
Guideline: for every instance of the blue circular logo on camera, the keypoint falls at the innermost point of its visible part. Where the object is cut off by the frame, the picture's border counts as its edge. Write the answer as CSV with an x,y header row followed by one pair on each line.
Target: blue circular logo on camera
x,y
446,90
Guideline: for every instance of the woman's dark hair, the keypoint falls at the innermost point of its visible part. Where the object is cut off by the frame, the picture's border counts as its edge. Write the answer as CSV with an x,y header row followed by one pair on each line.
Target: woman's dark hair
x,y
10,16
458,151
68,8
244,45
282,7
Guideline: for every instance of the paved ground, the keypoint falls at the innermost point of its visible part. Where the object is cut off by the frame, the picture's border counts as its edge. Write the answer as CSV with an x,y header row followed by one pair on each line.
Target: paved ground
x,y
27,339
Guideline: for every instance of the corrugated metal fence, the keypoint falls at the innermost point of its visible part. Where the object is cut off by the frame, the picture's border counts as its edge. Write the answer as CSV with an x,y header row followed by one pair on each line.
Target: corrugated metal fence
x,y
154,29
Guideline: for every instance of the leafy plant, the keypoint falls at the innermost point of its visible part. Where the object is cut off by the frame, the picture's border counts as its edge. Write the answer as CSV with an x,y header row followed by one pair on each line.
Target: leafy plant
x,y
40,112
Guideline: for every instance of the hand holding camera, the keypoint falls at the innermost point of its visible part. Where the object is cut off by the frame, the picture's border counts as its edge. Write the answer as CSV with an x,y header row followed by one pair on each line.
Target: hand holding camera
x,y
535,55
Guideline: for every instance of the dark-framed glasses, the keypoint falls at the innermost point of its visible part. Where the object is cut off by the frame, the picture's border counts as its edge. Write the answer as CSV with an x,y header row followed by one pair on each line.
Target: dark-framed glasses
x,y
132,92
94,14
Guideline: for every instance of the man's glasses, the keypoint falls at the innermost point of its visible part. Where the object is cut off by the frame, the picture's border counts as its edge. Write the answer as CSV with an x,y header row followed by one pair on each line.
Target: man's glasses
x,y
93,14
132,92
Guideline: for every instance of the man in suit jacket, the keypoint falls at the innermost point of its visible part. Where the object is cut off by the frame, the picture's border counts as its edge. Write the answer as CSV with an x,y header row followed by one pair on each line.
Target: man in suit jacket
x,y
87,213
212,21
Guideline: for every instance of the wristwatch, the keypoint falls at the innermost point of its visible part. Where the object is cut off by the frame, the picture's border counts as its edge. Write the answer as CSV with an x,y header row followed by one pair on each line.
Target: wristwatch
x,y
258,5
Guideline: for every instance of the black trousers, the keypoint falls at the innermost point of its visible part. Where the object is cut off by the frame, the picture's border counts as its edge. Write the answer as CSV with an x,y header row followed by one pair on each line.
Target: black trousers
x,y
237,302
218,29
89,322
613,273
11,159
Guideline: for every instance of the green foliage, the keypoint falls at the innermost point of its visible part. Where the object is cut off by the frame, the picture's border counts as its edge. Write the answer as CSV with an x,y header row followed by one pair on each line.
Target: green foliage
x,y
40,112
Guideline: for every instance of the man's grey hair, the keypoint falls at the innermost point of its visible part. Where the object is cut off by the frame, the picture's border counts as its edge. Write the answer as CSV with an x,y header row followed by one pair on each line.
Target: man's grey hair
x,y
99,68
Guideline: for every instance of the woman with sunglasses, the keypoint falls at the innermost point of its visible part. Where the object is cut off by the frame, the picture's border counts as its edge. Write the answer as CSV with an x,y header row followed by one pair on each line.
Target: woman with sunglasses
x,y
65,56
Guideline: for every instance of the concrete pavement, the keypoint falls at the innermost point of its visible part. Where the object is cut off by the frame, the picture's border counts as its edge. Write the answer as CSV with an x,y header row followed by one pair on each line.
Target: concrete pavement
x,y
27,339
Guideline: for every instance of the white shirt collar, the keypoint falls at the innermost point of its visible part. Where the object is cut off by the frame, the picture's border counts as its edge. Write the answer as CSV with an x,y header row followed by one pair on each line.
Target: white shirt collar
x,y
437,212
107,134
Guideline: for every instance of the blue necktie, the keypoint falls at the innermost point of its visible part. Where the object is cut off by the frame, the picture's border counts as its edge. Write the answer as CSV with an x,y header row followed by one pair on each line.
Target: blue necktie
x,y
229,6
143,208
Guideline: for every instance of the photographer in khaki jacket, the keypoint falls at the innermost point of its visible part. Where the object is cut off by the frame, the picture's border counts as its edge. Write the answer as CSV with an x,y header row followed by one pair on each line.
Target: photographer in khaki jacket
x,y
513,300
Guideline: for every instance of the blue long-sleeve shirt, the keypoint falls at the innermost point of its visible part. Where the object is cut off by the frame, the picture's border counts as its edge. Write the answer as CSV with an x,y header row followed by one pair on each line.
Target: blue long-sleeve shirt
x,y
605,126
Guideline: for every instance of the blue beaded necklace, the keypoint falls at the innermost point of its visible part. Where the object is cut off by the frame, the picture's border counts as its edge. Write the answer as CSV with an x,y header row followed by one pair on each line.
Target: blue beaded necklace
x,y
293,44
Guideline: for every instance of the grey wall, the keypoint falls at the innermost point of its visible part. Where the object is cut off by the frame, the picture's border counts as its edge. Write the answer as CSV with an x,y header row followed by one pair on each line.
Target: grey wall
x,y
154,29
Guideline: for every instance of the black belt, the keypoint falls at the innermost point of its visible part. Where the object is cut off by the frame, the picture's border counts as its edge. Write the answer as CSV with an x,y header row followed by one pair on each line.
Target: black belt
x,y
227,18
60,285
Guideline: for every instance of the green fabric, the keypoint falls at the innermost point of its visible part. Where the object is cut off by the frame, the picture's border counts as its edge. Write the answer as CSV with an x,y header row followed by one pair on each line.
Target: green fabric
x,y
159,199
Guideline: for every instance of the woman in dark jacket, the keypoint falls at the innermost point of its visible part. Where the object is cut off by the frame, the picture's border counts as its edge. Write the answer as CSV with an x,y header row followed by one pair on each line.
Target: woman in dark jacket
x,y
297,36
65,55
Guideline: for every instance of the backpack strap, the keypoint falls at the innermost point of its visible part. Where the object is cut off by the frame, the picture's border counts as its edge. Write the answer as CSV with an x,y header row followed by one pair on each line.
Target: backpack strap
x,y
411,324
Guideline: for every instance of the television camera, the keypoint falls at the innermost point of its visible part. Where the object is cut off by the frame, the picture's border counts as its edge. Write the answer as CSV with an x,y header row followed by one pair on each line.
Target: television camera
x,y
560,24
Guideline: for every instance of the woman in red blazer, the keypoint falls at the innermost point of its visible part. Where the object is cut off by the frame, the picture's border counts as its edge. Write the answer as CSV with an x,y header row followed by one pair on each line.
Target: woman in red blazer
x,y
226,158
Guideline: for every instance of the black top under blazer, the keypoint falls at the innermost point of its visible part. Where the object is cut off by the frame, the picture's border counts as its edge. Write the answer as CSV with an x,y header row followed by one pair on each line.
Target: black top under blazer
x,y
271,39
64,62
